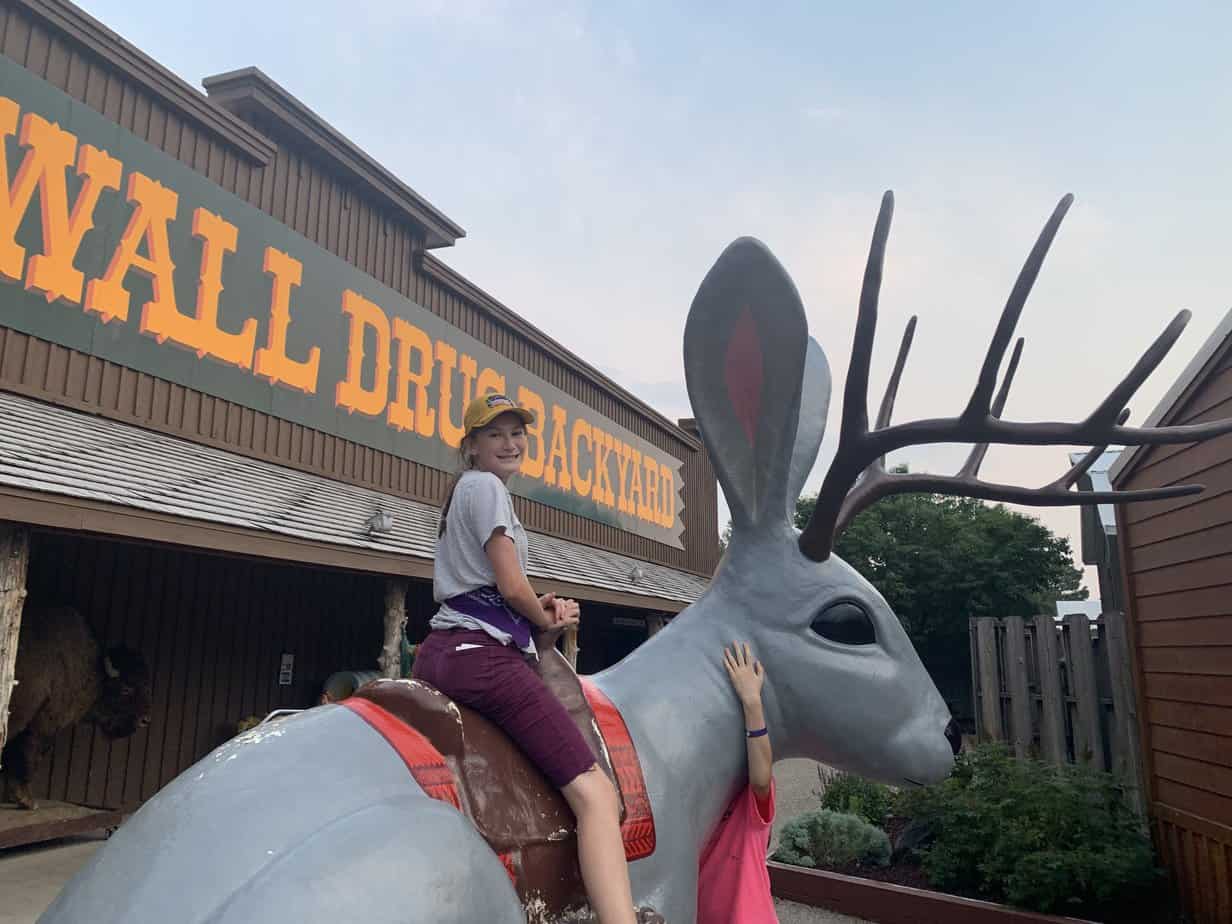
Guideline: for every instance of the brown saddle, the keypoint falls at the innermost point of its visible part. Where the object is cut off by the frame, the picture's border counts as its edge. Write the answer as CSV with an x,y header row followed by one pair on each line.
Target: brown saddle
x,y
460,757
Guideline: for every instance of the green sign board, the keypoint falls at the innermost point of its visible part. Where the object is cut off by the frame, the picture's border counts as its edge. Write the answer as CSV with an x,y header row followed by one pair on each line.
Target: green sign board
x,y
113,248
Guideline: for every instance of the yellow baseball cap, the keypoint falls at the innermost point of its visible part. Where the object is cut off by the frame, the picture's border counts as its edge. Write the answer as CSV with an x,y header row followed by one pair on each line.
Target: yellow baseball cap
x,y
486,408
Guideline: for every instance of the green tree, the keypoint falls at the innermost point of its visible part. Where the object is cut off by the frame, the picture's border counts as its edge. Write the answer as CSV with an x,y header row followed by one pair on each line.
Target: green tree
x,y
940,560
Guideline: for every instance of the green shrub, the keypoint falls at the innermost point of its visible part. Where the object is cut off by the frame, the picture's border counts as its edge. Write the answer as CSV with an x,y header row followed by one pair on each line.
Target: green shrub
x,y
1042,837
825,838
855,795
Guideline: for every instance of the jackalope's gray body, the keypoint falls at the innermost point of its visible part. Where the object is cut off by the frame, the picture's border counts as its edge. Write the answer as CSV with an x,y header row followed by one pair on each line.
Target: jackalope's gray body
x,y
317,819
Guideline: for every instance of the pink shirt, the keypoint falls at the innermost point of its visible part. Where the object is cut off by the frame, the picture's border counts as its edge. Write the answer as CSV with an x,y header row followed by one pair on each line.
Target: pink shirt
x,y
733,884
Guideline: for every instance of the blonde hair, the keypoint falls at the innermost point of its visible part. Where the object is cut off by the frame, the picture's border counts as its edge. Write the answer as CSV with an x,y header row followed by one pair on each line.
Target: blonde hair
x,y
467,464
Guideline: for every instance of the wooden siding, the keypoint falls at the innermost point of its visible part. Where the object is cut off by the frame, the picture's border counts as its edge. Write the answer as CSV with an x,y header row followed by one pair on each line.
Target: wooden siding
x,y
299,189
213,630
1177,557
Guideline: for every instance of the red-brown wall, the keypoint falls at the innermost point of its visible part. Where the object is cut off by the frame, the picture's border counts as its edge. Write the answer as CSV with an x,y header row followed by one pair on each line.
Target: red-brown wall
x,y
213,630
1177,558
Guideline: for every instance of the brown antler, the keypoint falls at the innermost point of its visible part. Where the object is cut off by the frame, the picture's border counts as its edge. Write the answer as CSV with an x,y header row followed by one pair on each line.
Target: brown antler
x,y
858,476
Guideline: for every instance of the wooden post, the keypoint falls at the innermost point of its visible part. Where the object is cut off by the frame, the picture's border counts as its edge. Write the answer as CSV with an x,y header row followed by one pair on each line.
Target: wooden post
x,y
1126,757
1020,702
1088,741
390,661
1052,721
571,646
990,680
14,560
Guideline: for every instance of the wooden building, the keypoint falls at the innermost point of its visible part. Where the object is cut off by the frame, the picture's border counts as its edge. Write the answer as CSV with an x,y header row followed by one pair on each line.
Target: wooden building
x,y
232,373
1177,561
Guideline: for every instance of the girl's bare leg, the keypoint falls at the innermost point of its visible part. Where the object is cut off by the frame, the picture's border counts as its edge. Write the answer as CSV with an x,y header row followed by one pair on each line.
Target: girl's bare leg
x,y
601,851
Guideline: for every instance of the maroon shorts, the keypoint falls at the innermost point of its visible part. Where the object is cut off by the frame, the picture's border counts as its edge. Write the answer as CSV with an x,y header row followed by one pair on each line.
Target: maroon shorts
x,y
497,682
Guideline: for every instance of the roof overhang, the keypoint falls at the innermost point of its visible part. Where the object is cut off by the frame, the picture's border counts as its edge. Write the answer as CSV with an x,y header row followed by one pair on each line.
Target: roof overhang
x,y
248,91
65,469
1176,395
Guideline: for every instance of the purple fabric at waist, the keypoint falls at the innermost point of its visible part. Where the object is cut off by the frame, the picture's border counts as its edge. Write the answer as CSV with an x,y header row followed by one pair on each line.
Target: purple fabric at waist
x,y
487,605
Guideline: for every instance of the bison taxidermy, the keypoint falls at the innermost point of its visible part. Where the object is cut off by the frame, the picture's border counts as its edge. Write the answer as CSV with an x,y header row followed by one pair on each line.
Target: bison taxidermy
x,y
64,677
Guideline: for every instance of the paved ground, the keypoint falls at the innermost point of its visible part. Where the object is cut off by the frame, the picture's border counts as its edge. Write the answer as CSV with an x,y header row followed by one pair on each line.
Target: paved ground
x,y
791,913
30,877
797,788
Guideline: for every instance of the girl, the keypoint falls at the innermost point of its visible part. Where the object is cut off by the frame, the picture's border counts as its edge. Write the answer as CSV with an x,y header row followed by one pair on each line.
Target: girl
x,y
477,653
733,883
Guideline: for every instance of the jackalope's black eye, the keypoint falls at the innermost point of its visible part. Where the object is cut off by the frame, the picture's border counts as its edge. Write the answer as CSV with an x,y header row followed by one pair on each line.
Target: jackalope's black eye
x,y
847,623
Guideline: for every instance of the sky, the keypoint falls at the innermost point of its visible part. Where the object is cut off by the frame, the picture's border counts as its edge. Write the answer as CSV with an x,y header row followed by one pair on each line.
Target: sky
x,y
601,156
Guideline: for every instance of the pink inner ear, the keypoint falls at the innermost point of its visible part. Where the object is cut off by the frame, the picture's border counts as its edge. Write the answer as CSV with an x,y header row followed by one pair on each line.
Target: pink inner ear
x,y
743,373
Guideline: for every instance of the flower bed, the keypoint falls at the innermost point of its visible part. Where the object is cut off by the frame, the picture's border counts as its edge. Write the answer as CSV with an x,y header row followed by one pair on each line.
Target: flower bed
x,y
1045,841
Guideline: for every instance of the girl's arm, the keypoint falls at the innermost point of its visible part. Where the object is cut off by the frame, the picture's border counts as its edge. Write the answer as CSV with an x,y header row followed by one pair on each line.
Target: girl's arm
x,y
747,676
516,589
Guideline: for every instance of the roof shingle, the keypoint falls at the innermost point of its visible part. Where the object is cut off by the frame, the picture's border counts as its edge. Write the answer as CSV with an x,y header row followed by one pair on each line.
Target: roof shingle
x,y
59,451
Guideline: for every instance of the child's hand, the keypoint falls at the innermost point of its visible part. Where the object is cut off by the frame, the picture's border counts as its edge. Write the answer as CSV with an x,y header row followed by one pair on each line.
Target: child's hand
x,y
746,673
563,612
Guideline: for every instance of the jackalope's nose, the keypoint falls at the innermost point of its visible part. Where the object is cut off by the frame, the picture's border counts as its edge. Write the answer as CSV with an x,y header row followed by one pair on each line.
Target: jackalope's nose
x,y
953,734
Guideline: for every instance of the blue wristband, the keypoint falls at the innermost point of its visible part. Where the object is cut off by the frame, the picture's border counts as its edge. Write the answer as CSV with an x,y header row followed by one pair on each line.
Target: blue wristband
x,y
758,733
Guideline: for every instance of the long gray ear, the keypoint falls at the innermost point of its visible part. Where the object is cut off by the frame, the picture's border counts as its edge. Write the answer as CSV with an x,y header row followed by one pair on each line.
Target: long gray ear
x,y
744,349
814,405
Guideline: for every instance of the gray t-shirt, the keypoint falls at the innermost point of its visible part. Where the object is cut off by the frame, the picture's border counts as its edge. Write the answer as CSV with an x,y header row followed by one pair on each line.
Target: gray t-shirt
x,y
481,505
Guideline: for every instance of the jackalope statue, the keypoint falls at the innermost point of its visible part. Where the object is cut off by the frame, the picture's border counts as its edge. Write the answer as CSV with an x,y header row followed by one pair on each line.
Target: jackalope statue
x,y
351,811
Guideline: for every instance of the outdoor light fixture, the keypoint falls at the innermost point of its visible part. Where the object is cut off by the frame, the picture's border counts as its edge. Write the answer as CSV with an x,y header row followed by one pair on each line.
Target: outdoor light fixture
x,y
379,522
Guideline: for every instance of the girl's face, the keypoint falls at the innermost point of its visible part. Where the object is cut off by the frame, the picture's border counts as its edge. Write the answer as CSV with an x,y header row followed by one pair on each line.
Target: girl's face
x,y
499,447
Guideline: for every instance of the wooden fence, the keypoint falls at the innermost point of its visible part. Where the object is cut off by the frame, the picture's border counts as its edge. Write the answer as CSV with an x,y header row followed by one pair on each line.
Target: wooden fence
x,y
1060,690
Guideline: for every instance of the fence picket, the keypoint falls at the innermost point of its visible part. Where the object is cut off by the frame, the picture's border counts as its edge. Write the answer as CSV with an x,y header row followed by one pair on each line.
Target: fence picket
x,y
1069,667
1126,761
1088,740
972,628
1016,683
1052,718
990,680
